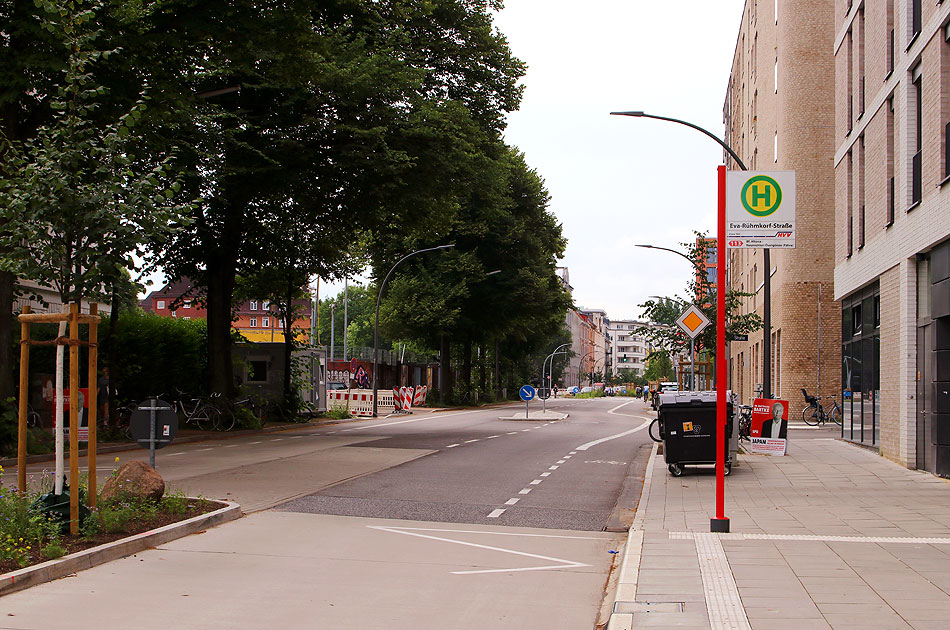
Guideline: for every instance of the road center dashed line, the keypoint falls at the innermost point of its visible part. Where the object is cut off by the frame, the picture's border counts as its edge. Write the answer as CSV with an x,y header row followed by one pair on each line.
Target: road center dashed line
x,y
512,501
536,482
452,445
470,441
524,491
545,474
553,467
496,513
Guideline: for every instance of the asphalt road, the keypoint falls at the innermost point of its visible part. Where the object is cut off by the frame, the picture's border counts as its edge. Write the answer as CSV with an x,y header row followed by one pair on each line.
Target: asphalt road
x,y
565,474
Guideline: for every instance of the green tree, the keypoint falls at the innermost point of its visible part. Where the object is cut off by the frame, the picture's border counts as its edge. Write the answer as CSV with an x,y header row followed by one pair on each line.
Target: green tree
x,y
75,205
669,337
659,367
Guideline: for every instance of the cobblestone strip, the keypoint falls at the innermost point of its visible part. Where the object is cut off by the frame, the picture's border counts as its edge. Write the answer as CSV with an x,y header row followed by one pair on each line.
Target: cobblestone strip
x,y
722,595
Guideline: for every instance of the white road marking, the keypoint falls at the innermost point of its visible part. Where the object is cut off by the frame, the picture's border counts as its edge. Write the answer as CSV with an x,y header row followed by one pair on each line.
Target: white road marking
x,y
512,501
205,449
512,433
523,430
451,446
573,453
568,456
470,441
173,454
584,447
496,513
297,437
429,417
547,474
492,437
562,564
232,445
536,482
277,439
258,442
553,467
822,538
488,533
524,491
562,461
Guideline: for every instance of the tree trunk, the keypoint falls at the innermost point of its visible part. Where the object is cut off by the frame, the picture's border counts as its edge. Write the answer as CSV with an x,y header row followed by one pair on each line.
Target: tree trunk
x,y
221,274
496,375
288,342
482,360
112,357
467,367
446,382
7,355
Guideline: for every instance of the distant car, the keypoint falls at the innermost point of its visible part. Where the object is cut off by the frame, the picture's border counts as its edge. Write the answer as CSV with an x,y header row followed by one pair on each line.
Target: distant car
x,y
669,386
337,386
587,390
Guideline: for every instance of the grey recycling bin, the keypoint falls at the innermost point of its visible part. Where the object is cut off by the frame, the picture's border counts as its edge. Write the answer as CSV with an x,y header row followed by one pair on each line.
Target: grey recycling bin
x,y
686,423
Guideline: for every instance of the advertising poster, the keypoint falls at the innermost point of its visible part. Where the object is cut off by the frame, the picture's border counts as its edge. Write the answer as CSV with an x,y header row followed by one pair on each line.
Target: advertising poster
x,y
769,434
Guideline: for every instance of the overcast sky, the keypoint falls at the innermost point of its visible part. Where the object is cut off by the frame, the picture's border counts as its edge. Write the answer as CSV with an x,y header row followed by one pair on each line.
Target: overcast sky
x,y
619,181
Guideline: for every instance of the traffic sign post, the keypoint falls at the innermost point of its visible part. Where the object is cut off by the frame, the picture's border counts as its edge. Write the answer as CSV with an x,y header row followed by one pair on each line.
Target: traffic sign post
x,y
154,424
527,394
692,321
760,210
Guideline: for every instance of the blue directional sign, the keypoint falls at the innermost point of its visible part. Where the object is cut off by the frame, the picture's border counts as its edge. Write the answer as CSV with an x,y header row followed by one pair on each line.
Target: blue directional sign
x,y
527,393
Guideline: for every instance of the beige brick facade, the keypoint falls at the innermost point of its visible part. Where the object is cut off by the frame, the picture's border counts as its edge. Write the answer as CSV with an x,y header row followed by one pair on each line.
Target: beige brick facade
x,y
884,224
779,115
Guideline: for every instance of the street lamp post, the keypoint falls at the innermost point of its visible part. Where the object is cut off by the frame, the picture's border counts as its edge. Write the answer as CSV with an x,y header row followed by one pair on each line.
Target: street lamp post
x,y
720,523
379,297
692,340
766,258
544,383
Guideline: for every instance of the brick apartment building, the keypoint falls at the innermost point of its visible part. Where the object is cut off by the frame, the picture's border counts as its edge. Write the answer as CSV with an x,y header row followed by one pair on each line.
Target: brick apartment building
x,y
892,254
256,320
779,116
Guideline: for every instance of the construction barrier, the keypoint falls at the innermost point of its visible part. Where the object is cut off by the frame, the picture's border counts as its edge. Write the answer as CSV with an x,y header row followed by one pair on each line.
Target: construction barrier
x,y
360,401
420,396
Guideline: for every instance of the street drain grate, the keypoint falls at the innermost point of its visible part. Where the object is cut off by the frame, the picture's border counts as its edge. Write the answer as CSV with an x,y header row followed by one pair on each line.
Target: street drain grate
x,y
648,607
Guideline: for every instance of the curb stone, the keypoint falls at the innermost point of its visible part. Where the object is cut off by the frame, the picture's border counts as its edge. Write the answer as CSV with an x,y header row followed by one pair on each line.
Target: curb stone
x,y
88,558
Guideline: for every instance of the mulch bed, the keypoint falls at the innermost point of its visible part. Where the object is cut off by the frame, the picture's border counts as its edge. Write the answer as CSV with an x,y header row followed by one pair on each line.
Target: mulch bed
x,y
196,507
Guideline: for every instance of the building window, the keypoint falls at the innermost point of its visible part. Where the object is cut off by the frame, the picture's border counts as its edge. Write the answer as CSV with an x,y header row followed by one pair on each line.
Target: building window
x,y
160,304
776,75
891,139
860,366
253,322
711,275
861,192
915,19
916,169
174,313
256,371
253,305
265,322
186,304
265,305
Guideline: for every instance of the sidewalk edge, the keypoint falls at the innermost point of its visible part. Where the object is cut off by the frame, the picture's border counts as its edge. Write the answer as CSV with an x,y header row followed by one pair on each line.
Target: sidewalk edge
x,y
61,567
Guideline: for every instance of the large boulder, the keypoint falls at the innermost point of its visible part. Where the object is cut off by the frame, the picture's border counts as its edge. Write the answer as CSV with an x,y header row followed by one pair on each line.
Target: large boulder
x,y
134,479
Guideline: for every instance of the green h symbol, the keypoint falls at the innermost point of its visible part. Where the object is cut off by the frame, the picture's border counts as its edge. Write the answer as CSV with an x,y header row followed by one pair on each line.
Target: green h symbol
x,y
761,191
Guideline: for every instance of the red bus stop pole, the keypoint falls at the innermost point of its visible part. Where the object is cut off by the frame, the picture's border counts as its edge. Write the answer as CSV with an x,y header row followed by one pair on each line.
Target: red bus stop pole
x,y
721,523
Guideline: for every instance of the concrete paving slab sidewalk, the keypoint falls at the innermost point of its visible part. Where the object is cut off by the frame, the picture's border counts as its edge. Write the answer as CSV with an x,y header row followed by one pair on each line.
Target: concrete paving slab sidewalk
x,y
830,537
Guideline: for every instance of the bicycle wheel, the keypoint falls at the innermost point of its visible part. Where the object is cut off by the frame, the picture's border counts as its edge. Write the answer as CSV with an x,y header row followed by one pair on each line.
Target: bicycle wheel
x,y
834,415
225,420
205,418
810,416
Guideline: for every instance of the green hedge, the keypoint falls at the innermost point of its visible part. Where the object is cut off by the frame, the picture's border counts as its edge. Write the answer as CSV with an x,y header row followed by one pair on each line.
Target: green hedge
x,y
156,355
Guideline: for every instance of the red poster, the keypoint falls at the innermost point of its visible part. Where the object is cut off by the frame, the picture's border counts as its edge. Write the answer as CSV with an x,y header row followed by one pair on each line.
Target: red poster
x,y
769,431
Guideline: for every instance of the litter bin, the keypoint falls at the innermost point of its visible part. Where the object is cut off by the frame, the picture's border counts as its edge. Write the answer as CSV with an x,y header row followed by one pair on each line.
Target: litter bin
x,y
687,427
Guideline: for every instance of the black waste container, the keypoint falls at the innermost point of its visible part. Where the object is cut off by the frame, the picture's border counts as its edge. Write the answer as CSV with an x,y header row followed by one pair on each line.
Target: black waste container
x,y
687,428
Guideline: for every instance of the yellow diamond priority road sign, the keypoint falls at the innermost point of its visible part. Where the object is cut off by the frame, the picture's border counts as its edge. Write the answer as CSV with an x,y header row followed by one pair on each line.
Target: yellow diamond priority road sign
x,y
693,321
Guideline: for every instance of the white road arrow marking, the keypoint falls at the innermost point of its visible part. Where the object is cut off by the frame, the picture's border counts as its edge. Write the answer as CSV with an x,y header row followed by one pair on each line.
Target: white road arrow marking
x,y
562,564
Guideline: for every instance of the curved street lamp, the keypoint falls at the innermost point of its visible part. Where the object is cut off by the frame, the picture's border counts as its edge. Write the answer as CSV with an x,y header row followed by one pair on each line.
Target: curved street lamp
x,y
766,259
379,297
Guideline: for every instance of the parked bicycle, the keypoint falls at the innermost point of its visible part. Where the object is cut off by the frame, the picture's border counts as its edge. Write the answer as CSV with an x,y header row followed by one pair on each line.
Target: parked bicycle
x,y
744,420
197,411
815,413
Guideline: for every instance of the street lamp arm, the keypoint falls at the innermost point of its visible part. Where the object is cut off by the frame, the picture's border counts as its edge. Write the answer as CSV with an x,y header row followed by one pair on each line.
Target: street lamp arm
x,y
725,146
379,297
666,249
